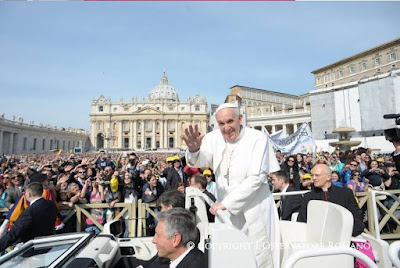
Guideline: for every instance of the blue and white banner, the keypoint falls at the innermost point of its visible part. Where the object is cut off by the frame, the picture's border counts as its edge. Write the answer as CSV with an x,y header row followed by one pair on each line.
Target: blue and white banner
x,y
298,142
277,135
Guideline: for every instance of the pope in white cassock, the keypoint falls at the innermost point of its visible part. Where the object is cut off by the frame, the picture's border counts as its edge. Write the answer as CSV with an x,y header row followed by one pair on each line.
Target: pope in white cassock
x,y
241,158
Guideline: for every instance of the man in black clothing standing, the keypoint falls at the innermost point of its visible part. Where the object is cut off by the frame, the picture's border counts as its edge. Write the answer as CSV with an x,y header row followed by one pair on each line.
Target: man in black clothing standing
x,y
289,203
175,175
396,154
200,182
325,190
37,220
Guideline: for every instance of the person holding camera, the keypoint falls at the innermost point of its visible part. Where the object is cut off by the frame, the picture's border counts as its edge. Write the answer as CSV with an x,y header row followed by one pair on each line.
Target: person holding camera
x,y
112,195
132,163
336,163
396,154
345,173
103,161
374,174
290,166
392,181
80,176
152,190
76,196
95,193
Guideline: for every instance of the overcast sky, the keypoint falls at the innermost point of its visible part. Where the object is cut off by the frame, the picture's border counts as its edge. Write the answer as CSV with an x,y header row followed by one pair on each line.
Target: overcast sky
x,y
55,57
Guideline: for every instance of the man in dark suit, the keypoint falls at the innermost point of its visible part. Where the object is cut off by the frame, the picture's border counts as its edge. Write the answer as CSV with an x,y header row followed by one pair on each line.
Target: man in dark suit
x,y
175,175
175,235
289,203
325,190
37,220
200,182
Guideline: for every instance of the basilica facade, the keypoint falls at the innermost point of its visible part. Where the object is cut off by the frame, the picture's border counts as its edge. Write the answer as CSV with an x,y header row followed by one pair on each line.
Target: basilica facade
x,y
155,123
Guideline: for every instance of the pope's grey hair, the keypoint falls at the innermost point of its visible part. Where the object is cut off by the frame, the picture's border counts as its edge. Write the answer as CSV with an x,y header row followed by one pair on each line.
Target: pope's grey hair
x,y
179,220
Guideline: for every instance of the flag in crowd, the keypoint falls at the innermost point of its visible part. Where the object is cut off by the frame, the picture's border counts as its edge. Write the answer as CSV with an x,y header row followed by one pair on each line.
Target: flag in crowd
x,y
300,141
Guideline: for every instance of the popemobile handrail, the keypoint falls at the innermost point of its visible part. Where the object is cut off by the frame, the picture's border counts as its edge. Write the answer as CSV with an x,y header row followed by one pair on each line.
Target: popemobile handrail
x,y
368,198
301,254
394,253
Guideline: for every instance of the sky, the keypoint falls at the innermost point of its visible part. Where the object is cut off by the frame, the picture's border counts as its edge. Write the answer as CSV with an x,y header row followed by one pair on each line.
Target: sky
x,y
55,57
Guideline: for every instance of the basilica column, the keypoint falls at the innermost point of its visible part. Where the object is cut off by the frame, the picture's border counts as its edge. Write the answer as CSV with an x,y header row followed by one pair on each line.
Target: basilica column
x,y
108,133
153,134
18,145
143,141
161,124
121,141
1,141
134,135
273,129
11,145
166,134
93,134
294,127
176,134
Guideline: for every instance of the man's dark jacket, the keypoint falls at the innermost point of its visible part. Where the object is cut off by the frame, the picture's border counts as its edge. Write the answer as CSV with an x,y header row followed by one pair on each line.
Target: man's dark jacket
x,y
194,259
337,195
173,179
289,205
37,220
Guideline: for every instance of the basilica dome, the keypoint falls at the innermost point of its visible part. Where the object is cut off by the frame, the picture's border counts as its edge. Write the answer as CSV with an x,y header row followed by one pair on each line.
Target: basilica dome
x,y
164,91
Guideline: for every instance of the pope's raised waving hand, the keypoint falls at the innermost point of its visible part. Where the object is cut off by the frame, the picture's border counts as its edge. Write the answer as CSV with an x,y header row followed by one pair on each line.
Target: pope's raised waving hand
x,y
193,138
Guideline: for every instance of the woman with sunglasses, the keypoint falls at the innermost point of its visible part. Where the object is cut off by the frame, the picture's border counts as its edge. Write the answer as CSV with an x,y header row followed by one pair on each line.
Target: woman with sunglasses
x,y
291,167
14,189
211,185
355,184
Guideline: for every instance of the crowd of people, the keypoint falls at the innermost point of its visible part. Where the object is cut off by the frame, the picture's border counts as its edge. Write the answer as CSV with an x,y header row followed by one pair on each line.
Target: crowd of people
x,y
356,169
123,177
90,178
239,170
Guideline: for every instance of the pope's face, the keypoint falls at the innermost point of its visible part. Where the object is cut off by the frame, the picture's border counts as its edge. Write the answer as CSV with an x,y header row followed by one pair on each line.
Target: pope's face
x,y
229,124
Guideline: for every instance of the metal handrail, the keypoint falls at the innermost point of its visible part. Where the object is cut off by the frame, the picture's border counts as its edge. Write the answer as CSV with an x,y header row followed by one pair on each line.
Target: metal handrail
x,y
291,193
298,255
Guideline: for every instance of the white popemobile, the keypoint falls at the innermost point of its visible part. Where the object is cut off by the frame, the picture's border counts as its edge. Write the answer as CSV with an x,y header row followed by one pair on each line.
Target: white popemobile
x,y
324,241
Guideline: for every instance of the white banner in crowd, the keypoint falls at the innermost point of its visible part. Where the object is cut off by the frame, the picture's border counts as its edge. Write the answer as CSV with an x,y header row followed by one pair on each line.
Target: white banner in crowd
x,y
277,135
298,142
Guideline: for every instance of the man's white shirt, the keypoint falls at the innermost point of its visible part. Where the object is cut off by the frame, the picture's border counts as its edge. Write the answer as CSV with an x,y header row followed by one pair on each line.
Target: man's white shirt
x,y
174,264
33,201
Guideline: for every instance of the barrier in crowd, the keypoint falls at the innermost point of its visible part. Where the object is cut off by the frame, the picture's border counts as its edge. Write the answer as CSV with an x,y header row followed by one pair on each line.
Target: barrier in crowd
x,y
378,215
129,208
142,209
